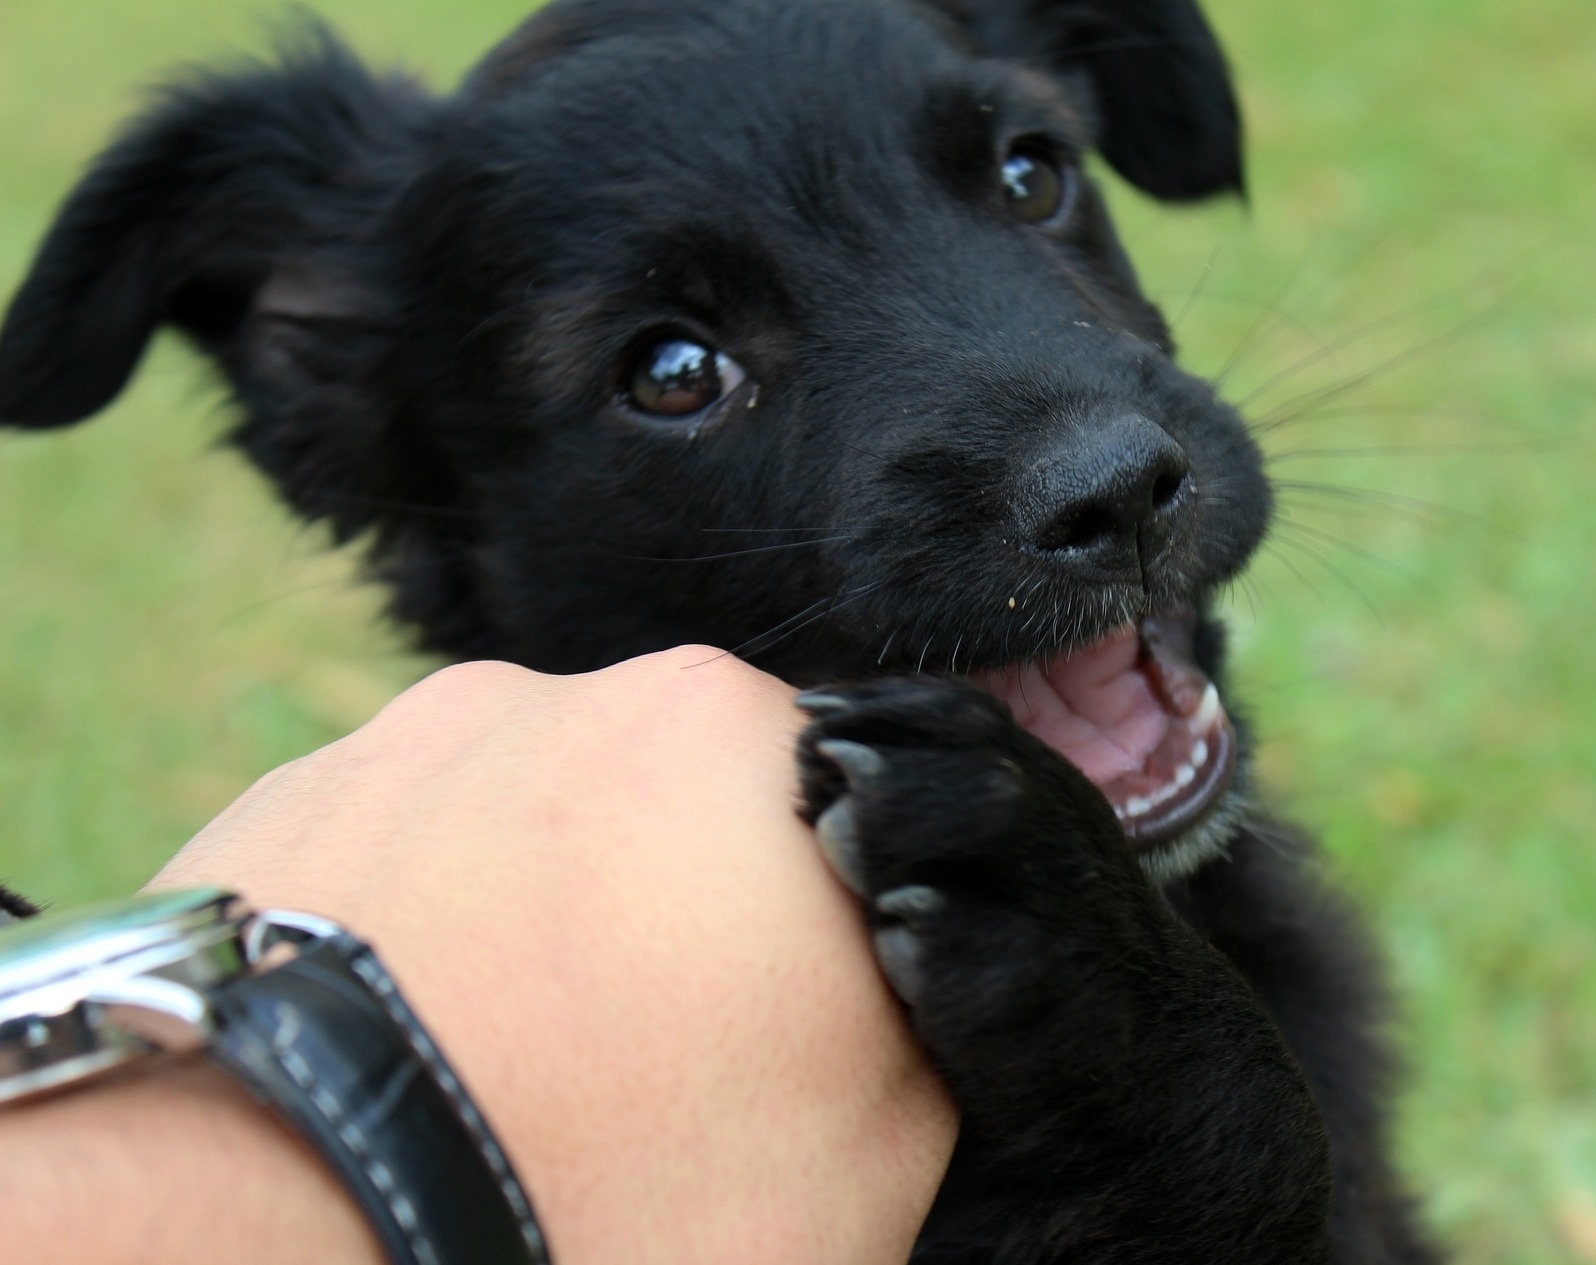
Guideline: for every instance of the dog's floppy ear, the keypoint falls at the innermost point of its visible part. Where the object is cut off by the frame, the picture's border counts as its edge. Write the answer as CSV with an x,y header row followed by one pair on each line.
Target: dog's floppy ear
x,y
189,214
1169,121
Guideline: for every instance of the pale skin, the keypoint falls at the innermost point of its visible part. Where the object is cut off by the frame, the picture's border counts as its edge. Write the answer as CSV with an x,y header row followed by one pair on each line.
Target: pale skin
x,y
596,893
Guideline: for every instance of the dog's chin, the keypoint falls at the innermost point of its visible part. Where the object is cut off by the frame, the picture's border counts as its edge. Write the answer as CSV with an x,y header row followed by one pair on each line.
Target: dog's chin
x,y
1136,713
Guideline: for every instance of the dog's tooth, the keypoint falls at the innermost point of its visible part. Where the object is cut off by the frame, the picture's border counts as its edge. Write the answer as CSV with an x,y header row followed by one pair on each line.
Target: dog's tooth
x,y
1199,754
1013,603
1139,806
1208,711
1184,777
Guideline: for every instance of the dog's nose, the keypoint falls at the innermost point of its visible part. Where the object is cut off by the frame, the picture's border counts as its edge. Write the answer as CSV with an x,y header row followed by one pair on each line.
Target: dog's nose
x,y
1112,497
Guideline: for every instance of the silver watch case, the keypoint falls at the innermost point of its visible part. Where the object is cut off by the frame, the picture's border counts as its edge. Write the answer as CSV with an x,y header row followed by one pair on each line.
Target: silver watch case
x,y
87,991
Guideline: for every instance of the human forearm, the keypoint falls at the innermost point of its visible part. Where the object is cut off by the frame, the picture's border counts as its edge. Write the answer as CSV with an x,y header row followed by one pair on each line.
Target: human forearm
x,y
596,893
169,1166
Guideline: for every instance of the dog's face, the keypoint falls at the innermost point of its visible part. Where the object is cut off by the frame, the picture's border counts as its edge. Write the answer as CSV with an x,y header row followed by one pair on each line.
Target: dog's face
x,y
790,327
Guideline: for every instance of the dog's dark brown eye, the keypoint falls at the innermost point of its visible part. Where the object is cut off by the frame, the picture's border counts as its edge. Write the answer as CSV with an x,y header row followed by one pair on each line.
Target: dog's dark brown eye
x,y
676,377
1038,184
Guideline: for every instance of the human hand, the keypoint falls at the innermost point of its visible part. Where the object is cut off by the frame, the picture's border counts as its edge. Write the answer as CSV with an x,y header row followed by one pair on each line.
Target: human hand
x,y
596,893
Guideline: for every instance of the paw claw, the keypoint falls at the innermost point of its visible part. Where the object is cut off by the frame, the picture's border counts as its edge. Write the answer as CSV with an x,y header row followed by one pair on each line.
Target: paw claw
x,y
913,904
898,952
822,703
838,835
859,762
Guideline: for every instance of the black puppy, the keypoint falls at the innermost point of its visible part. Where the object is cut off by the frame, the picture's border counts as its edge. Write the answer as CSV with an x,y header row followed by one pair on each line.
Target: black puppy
x,y
794,326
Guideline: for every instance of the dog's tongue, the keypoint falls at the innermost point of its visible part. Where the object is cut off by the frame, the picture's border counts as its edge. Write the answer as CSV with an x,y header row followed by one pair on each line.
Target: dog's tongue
x,y
1095,707
1136,715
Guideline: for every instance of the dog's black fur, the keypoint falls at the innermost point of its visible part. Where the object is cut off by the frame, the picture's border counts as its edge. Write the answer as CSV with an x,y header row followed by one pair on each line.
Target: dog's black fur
x,y
429,311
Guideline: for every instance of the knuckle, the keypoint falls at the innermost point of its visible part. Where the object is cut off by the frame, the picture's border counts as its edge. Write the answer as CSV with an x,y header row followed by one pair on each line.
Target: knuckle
x,y
701,659
465,682
694,670
465,694
697,680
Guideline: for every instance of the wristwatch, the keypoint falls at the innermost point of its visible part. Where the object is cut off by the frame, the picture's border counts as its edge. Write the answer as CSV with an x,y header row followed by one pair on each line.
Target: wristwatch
x,y
304,1015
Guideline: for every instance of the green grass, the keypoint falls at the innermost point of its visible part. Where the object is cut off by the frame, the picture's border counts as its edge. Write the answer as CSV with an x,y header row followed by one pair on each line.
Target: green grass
x,y
1423,678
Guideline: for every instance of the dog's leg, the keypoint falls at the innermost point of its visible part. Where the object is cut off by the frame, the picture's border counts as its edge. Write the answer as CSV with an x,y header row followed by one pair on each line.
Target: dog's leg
x,y
1124,1095
1309,961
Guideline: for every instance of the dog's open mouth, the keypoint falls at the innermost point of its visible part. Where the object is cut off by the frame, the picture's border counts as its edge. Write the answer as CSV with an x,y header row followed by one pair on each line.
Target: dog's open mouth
x,y
1137,715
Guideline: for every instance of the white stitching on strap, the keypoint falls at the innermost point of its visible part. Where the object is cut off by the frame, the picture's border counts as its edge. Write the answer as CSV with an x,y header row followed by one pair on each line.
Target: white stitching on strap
x,y
365,965
285,1032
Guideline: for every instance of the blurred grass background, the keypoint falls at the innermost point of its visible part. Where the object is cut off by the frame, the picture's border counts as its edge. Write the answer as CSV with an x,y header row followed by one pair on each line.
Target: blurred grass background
x,y
1406,311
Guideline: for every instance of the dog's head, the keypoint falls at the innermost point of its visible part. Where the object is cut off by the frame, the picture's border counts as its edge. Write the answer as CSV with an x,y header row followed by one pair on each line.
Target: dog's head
x,y
794,327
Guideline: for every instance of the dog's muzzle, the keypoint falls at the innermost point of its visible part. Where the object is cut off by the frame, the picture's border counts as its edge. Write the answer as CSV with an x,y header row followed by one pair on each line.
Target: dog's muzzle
x,y
1137,715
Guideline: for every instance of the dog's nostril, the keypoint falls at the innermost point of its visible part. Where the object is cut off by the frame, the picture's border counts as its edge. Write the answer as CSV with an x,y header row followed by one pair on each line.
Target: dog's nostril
x,y
1079,529
1168,486
1112,493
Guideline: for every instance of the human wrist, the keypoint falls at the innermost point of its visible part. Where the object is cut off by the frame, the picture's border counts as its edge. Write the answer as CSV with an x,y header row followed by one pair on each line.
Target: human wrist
x,y
298,1012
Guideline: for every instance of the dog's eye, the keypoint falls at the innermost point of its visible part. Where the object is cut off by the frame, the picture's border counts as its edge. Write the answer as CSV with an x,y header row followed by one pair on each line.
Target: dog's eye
x,y
676,377
1039,186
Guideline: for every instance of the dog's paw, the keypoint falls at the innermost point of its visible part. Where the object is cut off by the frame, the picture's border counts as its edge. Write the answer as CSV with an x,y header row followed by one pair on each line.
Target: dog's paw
x,y
970,843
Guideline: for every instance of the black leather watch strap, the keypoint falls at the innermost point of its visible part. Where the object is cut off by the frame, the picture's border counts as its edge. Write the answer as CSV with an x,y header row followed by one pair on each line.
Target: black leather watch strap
x,y
328,1042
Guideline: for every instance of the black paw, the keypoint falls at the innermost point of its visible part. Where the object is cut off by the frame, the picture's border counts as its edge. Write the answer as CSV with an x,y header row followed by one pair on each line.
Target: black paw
x,y
973,846
1084,1031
